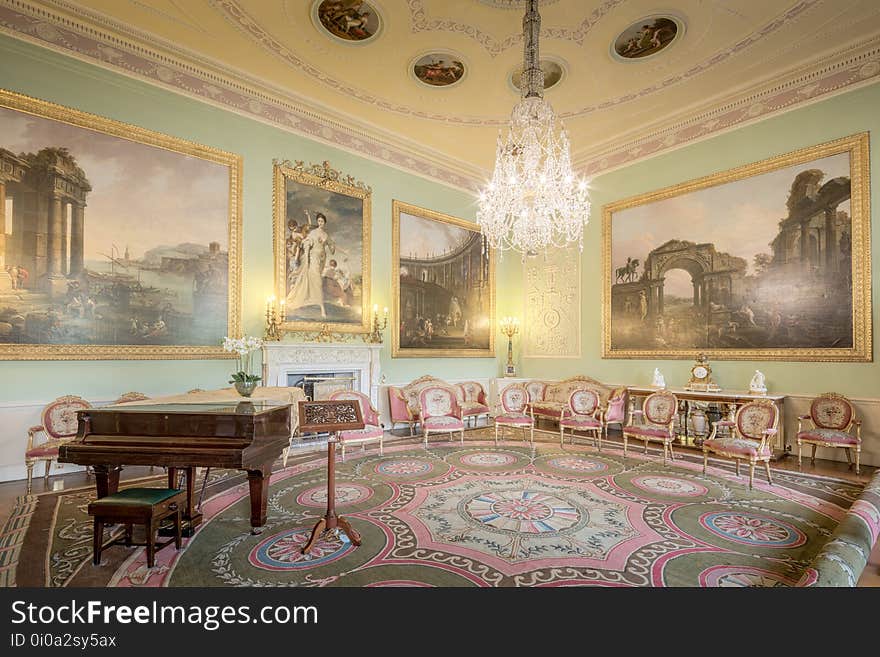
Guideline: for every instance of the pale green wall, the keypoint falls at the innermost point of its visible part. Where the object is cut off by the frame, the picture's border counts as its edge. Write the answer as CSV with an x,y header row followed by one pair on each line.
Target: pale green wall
x,y
842,115
50,76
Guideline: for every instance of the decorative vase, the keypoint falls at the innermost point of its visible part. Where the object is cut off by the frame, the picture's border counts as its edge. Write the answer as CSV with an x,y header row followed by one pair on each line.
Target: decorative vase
x,y
245,389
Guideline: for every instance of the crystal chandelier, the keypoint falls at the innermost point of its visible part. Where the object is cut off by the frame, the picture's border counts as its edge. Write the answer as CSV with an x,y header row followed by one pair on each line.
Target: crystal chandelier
x,y
534,201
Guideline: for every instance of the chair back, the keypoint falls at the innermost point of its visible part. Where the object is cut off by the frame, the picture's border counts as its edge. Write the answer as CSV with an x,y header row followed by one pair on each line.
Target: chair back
x,y
660,407
438,401
370,415
59,417
832,411
583,402
131,397
755,417
514,398
472,392
536,390
616,409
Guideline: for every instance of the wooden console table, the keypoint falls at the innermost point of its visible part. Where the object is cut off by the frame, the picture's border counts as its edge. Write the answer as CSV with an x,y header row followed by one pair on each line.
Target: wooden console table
x,y
690,401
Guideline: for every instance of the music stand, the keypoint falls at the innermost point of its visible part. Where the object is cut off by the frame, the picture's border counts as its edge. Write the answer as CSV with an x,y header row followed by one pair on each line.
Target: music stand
x,y
333,416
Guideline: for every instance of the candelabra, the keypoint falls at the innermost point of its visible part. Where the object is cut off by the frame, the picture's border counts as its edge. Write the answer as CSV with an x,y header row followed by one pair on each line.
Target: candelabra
x,y
274,318
375,335
510,327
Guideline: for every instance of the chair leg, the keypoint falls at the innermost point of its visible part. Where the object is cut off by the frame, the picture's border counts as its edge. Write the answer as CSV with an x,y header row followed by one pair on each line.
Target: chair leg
x,y
813,457
599,439
751,474
30,475
646,447
767,467
705,460
561,435
737,467
128,532
151,544
496,435
849,457
800,455
462,436
46,476
532,435
343,452
671,453
425,435
665,448
858,453
624,445
177,521
382,446
97,541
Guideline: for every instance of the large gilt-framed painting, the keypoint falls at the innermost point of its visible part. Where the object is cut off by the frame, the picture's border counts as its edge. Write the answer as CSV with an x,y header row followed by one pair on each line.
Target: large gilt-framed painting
x,y
769,261
115,241
322,248
443,286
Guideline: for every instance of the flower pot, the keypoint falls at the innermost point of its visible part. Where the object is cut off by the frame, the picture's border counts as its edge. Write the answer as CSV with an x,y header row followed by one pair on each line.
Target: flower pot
x,y
245,389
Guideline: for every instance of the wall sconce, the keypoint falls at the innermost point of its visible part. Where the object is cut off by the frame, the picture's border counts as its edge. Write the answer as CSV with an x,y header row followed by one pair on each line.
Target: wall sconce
x,y
375,335
274,318
510,327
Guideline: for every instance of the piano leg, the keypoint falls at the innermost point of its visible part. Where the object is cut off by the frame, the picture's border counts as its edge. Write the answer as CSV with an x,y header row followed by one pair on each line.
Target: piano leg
x,y
259,488
106,479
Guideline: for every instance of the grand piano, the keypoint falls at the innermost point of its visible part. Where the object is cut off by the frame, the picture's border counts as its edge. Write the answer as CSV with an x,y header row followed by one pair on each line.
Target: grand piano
x,y
247,435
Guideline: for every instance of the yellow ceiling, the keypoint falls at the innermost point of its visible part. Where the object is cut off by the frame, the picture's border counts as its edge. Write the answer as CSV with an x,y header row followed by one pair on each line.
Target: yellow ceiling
x,y
728,47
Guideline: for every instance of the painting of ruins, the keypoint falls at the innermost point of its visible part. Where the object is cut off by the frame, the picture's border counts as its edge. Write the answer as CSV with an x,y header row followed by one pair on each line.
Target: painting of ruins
x,y
768,261
443,286
115,242
322,248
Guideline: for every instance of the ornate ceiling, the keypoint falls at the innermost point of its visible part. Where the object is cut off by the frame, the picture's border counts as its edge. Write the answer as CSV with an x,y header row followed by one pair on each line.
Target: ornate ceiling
x,y
731,61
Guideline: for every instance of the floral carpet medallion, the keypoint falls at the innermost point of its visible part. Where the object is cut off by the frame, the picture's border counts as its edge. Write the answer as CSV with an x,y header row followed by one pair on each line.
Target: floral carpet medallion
x,y
475,515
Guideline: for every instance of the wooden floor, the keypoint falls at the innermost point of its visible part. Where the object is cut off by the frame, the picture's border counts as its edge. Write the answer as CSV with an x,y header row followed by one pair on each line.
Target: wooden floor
x,y
9,491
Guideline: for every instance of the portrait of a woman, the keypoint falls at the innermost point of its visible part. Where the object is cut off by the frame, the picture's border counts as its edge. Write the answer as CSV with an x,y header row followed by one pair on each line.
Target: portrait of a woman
x,y
307,289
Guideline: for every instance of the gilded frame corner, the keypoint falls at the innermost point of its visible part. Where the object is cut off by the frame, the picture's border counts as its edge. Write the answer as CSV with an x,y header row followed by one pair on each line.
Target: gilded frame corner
x,y
323,177
77,118
858,146
396,351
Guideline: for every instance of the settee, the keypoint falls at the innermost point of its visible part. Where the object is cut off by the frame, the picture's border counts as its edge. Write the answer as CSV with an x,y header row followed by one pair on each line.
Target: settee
x,y
549,399
403,401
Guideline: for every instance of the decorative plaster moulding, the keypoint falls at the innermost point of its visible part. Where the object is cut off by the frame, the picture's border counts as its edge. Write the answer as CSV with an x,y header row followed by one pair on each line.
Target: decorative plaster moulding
x,y
98,40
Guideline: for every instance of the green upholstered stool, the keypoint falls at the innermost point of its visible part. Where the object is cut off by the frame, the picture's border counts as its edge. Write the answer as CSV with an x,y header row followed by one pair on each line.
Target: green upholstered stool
x,y
138,506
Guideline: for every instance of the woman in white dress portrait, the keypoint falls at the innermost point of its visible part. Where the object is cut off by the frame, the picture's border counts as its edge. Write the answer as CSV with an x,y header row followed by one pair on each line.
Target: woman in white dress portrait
x,y
308,288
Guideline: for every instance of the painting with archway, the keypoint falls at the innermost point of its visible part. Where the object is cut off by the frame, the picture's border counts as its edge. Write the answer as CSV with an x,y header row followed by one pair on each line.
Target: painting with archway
x,y
768,261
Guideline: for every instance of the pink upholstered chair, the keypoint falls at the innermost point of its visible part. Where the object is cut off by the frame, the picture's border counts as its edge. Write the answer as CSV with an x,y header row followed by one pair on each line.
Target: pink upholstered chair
x,y
581,414
658,415
514,402
615,410
472,401
58,424
536,393
372,431
832,417
400,410
440,412
751,437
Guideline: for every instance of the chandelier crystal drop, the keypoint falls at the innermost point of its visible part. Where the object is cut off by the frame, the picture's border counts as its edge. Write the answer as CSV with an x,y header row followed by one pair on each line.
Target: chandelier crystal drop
x,y
534,201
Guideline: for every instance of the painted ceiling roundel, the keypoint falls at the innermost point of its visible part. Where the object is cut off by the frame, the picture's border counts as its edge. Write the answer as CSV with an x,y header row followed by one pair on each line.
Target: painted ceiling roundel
x,y
351,21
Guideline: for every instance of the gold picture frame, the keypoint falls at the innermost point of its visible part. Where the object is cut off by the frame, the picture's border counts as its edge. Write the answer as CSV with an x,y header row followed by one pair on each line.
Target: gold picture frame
x,y
790,304
325,182
66,194
451,326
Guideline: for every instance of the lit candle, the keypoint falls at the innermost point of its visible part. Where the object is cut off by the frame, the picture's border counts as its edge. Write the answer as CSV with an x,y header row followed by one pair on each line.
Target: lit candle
x,y
375,308
385,311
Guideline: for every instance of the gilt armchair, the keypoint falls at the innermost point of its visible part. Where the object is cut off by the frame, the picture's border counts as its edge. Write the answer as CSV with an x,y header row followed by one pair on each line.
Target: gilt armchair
x,y
751,437
58,425
514,404
614,411
658,415
829,424
472,400
581,414
440,412
373,430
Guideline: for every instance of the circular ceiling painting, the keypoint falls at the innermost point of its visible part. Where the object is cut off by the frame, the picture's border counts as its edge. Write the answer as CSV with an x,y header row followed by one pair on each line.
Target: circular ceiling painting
x,y
438,69
553,72
350,20
647,37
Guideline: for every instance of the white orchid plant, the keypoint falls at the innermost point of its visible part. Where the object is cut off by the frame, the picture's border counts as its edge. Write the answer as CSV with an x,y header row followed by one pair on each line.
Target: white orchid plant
x,y
244,348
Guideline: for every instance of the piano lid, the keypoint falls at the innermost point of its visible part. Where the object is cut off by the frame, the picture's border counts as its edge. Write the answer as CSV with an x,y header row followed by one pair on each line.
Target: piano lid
x,y
218,408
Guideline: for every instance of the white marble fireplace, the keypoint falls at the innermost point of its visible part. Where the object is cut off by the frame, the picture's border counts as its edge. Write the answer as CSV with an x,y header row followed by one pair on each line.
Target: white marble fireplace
x,y
282,359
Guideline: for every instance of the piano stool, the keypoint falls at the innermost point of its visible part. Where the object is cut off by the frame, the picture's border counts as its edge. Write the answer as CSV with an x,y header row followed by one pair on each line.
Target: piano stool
x,y
137,506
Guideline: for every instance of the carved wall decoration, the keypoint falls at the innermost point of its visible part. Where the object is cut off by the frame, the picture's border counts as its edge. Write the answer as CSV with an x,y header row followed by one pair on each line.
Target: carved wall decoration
x,y
553,305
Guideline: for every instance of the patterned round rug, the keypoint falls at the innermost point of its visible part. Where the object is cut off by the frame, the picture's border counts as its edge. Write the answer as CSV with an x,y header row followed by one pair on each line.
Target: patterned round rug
x,y
509,515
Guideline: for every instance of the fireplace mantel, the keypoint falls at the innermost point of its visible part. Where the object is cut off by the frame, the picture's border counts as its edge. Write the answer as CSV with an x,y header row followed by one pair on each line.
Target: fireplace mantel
x,y
283,358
